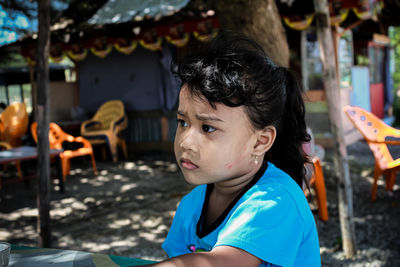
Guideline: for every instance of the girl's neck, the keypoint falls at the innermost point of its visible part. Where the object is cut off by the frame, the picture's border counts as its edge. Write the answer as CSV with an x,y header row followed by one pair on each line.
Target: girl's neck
x,y
231,188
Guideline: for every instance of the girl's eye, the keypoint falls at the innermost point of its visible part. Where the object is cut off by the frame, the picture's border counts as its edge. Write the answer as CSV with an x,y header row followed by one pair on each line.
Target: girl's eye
x,y
181,122
208,128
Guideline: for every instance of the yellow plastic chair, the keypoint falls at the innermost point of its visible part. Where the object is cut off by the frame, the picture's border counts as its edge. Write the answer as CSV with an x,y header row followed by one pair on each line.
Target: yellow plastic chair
x,y
106,126
13,124
57,137
378,136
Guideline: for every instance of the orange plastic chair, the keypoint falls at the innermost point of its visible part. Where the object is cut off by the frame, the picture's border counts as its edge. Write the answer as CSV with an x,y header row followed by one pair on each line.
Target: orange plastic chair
x,y
57,137
378,135
106,126
317,180
13,124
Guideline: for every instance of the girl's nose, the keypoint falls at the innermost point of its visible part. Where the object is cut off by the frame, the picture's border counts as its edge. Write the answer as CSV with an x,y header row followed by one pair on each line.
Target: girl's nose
x,y
188,140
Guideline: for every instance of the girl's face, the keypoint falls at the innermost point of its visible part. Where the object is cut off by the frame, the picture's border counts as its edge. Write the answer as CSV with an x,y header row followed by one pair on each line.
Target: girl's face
x,y
213,145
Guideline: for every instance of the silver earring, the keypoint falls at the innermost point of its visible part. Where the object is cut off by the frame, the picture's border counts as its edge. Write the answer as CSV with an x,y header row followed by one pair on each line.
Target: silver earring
x,y
256,160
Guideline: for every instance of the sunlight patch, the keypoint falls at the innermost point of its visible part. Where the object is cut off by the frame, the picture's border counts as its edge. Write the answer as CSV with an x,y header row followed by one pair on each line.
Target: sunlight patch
x,y
29,212
79,206
68,200
124,243
119,223
127,187
129,165
62,212
4,235
144,168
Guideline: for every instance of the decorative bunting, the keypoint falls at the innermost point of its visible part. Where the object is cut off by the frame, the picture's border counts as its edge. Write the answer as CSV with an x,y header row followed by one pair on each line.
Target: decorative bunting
x,y
57,53
362,13
30,61
299,24
156,46
126,49
101,53
151,39
77,55
205,37
178,42
339,18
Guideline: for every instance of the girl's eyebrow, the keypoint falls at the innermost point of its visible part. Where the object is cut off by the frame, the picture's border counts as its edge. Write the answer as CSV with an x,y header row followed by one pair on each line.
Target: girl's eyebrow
x,y
201,117
208,118
181,113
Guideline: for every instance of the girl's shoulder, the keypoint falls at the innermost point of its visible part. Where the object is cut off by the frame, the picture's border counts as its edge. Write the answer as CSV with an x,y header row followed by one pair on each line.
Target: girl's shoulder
x,y
277,186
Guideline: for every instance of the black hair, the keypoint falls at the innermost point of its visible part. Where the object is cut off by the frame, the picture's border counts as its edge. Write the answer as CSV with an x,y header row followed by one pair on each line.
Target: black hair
x,y
234,70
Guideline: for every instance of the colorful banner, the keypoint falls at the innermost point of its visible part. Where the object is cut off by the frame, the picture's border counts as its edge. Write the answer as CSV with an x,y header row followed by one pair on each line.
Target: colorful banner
x,y
205,37
156,46
126,49
180,42
77,56
299,24
101,53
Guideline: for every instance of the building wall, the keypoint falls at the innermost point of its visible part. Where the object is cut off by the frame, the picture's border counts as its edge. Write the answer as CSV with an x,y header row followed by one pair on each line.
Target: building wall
x,y
61,101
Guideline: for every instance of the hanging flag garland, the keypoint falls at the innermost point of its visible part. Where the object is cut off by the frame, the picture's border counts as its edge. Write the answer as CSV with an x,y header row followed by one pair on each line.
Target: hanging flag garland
x,y
151,39
101,53
157,45
205,37
77,56
178,42
57,53
339,18
126,49
299,24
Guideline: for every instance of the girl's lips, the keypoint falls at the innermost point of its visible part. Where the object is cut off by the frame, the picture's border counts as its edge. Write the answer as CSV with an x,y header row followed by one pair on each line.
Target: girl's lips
x,y
187,164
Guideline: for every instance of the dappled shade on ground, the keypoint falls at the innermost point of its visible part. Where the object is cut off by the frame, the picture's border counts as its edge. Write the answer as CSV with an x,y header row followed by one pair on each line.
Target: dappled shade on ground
x,y
127,209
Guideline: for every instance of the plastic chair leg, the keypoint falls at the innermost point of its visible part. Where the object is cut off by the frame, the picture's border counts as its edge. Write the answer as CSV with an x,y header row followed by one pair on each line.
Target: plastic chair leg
x,y
114,151
122,144
93,164
390,180
65,167
18,164
320,190
377,173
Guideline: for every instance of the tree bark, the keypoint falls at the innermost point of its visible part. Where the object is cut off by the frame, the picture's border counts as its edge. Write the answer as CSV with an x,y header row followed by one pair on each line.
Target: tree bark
x,y
258,19
42,117
332,89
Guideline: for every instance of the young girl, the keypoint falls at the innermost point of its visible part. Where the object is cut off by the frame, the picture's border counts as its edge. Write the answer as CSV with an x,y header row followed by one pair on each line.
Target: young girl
x,y
239,138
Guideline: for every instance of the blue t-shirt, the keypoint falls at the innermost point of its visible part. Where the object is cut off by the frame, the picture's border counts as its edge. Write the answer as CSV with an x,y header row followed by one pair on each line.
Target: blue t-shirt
x,y
271,221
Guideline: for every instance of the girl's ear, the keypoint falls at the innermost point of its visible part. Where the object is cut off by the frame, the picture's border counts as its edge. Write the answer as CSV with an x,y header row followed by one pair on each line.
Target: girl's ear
x,y
265,140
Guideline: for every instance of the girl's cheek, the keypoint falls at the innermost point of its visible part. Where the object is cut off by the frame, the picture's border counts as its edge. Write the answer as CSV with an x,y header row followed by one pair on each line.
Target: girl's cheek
x,y
228,166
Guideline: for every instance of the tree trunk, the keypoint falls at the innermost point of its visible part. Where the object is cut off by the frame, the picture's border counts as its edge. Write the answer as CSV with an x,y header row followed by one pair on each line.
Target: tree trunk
x,y
332,89
258,19
42,117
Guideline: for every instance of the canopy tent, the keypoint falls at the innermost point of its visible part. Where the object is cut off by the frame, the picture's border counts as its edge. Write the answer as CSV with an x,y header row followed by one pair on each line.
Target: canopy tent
x,y
122,25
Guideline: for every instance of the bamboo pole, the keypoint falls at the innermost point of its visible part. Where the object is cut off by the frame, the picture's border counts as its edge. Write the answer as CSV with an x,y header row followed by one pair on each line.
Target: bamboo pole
x,y
42,117
332,90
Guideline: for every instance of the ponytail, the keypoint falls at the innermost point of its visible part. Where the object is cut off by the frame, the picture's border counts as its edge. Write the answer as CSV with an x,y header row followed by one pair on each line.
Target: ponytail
x,y
287,153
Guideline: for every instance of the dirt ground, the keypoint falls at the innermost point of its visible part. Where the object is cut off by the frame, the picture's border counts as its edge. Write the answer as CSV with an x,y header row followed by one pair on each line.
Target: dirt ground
x,y
127,210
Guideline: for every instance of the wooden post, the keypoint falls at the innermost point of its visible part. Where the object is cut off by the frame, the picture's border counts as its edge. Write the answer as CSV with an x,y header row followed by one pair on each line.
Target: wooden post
x,y
164,128
42,117
332,90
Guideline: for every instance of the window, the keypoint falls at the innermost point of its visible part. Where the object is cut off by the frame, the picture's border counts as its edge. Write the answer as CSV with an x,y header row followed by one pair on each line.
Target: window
x,y
27,95
3,95
17,93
